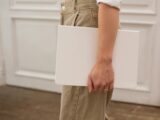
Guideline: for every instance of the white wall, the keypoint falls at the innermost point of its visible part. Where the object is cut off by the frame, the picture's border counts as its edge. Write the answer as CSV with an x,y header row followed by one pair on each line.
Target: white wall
x,y
2,77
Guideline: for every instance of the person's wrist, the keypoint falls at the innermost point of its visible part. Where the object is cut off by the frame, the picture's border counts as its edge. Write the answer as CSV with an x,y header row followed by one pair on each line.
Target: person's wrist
x,y
106,60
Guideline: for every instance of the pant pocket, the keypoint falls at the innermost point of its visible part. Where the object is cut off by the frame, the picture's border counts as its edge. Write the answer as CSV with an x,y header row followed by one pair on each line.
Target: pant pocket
x,y
70,18
84,18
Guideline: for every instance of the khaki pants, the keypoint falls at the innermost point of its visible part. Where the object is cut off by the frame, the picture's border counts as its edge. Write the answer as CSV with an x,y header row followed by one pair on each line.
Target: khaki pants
x,y
76,102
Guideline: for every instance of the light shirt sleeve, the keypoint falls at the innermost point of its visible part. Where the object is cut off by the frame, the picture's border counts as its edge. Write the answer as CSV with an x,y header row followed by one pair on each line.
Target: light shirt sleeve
x,y
113,3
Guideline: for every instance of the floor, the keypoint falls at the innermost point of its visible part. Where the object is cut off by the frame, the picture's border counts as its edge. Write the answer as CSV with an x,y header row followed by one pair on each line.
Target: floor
x,y
25,104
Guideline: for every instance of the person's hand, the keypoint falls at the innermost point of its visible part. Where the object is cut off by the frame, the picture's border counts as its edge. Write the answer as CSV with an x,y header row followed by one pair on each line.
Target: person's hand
x,y
101,77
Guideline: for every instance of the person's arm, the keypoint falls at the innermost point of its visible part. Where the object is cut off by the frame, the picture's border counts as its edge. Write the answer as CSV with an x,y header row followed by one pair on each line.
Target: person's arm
x,y
102,75
108,23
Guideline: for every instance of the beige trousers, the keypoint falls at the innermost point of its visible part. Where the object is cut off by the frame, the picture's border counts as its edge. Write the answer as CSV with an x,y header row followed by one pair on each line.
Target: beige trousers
x,y
76,102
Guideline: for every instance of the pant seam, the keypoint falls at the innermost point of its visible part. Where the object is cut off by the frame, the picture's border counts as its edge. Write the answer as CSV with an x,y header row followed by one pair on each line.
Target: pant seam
x,y
76,104
104,106
105,110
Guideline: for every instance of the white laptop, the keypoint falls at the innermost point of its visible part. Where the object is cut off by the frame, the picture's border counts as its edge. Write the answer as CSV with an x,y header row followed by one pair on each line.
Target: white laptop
x,y
76,54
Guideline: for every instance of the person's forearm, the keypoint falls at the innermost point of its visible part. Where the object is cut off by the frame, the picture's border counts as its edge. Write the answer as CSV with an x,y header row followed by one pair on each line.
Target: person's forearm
x,y
108,23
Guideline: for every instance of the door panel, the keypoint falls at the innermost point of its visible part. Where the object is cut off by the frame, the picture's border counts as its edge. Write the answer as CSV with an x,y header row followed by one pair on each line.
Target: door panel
x,y
29,42
140,16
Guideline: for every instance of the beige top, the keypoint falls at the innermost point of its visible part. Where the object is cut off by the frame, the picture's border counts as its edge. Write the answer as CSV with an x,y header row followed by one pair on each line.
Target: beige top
x,y
63,0
114,3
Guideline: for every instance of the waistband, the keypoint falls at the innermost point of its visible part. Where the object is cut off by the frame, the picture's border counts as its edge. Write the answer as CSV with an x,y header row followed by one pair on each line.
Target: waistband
x,y
74,5
78,1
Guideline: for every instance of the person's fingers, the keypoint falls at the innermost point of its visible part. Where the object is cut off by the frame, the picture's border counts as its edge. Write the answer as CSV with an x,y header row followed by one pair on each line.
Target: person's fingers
x,y
102,87
90,84
111,79
111,86
106,87
107,84
96,86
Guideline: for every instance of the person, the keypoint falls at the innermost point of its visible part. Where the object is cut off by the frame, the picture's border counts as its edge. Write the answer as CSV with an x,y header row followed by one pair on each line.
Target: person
x,y
92,102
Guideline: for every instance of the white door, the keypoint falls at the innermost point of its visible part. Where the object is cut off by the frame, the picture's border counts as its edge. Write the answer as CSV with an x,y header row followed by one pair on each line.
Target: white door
x,y
29,43
142,16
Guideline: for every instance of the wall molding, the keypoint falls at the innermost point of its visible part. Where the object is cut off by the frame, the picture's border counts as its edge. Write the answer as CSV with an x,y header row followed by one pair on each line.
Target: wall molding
x,y
136,22
29,73
32,5
14,17
148,7
33,74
